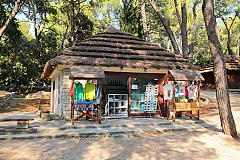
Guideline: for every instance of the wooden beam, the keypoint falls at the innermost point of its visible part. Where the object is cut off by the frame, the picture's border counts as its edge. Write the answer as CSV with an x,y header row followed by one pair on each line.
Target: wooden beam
x,y
129,95
160,96
137,75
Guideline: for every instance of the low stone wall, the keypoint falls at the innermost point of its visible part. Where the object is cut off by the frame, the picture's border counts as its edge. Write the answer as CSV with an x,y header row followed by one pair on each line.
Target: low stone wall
x,y
39,95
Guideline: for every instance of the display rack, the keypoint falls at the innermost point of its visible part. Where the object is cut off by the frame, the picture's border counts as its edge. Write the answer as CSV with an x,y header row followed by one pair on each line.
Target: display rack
x,y
187,106
88,109
117,105
151,100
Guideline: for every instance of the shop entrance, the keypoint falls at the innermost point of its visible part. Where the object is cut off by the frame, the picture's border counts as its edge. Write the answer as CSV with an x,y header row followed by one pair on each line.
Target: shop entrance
x,y
115,96
125,96
144,95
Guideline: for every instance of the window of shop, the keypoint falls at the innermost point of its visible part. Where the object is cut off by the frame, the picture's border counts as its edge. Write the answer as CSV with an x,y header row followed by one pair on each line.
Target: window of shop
x,y
143,94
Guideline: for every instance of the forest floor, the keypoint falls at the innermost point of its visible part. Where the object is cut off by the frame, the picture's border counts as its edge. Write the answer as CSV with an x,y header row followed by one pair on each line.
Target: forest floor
x,y
22,105
207,143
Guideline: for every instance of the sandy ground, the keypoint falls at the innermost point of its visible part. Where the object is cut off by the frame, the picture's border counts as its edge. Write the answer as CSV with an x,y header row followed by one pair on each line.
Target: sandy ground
x,y
188,145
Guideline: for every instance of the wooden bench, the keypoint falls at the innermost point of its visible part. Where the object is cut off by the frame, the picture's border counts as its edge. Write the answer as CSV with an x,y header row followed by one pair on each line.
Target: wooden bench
x,y
187,108
21,122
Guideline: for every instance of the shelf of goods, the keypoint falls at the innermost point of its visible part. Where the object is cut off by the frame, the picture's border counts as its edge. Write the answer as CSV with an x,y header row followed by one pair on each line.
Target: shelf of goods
x,y
115,89
151,100
117,105
137,102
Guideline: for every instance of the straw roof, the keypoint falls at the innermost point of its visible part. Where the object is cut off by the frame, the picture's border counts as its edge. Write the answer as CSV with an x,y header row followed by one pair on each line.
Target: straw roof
x,y
184,75
232,63
86,72
114,48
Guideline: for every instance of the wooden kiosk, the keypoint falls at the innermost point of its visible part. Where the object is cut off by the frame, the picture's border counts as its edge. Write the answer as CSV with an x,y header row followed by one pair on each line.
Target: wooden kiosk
x,y
184,106
89,109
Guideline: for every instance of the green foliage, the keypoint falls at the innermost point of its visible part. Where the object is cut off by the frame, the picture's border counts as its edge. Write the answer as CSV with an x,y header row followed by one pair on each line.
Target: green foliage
x,y
23,70
229,13
61,22
157,33
201,60
130,18
23,55
104,13
21,64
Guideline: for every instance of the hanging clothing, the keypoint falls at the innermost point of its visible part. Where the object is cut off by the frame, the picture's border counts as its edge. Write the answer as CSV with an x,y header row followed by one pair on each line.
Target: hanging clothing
x,y
89,91
98,93
78,91
181,91
168,92
192,91
72,90
186,90
177,90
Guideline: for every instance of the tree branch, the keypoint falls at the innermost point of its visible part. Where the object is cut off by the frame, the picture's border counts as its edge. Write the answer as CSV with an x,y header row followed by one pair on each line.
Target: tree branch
x,y
16,9
166,26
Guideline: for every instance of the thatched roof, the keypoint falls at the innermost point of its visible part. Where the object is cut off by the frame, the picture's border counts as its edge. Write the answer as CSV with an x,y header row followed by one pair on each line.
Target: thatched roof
x,y
86,72
114,48
184,75
232,63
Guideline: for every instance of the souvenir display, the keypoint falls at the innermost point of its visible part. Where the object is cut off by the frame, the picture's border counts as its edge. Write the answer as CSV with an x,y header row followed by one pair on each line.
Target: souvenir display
x,y
151,98
85,100
183,92
168,91
192,92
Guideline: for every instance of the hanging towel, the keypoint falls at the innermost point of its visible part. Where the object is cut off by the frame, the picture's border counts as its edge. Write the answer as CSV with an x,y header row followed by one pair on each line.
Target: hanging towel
x,y
192,91
168,92
78,91
89,91
72,89
177,91
98,93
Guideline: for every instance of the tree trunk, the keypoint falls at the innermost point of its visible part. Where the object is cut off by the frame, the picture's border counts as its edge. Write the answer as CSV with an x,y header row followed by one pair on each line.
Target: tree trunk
x,y
194,16
177,13
16,9
166,26
191,51
219,70
72,34
191,45
238,47
229,41
229,32
64,37
144,20
184,30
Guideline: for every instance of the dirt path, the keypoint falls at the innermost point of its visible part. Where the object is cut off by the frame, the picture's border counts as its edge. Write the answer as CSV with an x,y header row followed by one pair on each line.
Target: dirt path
x,y
210,112
175,145
197,144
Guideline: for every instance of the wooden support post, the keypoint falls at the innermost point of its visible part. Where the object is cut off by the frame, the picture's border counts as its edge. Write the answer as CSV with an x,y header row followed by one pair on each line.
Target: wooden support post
x,y
129,95
174,101
167,103
72,111
198,99
72,105
100,105
167,109
160,96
